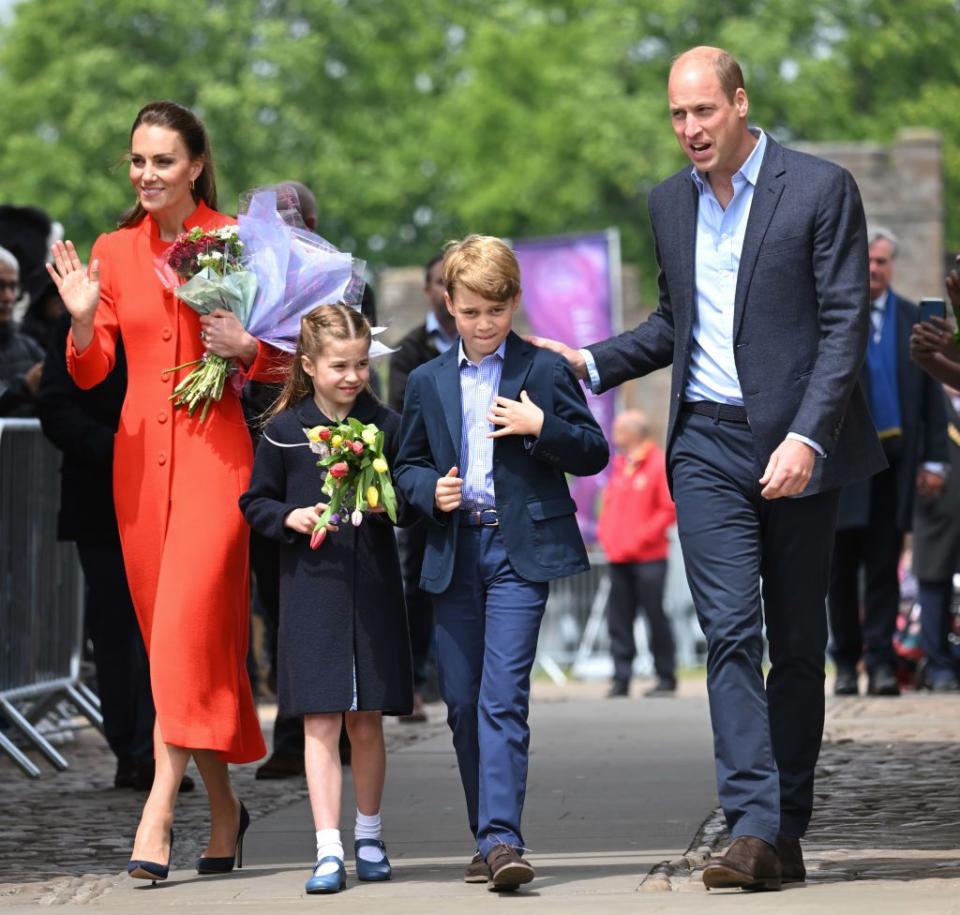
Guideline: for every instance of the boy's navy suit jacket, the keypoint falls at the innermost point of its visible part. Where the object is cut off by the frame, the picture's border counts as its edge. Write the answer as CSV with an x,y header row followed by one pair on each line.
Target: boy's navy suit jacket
x,y
537,514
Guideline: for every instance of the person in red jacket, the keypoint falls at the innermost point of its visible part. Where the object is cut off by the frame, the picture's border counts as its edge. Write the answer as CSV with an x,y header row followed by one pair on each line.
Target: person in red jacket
x,y
637,511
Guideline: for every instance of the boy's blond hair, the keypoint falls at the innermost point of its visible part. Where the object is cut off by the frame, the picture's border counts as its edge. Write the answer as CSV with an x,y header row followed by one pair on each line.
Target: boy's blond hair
x,y
482,264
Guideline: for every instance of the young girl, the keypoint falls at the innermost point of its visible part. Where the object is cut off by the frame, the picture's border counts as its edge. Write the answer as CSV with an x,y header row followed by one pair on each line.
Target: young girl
x,y
344,649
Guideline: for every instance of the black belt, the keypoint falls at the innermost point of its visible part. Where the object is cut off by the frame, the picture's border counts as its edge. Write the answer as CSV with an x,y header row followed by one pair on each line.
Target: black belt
x,y
479,517
719,412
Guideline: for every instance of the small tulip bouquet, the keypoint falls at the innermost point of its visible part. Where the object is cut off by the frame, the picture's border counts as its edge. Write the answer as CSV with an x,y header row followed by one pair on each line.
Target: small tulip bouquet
x,y
358,478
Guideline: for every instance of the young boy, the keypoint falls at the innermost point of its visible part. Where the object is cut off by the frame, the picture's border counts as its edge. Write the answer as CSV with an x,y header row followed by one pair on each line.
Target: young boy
x,y
489,430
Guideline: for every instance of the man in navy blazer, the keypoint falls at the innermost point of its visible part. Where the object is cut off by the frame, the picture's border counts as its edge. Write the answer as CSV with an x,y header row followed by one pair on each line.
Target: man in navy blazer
x,y
489,430
763,315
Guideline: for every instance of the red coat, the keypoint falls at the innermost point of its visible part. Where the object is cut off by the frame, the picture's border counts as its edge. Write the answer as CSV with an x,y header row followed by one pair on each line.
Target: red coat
x,y
176,484
637,509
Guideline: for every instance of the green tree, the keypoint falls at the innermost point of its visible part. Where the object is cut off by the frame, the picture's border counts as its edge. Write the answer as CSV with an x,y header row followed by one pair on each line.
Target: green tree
x,y
418,122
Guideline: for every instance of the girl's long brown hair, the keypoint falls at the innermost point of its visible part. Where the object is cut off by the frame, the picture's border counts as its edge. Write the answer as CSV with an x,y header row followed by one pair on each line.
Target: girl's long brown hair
x,y
325,322
194,135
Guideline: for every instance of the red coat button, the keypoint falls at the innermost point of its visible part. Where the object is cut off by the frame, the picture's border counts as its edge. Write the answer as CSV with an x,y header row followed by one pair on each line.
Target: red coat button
x,y
166,376
162,459
166,333
162,418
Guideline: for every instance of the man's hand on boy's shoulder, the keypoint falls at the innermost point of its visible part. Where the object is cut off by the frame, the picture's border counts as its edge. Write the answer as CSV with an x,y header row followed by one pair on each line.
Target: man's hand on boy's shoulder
x,y
515,417
573,356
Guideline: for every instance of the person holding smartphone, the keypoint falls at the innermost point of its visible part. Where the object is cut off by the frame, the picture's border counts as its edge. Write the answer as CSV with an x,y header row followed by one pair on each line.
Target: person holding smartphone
x,y
933,344
908,411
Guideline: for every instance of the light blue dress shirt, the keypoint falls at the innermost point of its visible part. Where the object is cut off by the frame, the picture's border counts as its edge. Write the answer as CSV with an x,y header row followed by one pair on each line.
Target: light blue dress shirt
x,y
479,384
720,233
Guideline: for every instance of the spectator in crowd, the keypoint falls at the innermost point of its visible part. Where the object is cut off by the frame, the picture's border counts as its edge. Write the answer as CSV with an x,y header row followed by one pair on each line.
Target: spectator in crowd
x,y
933,344
82,425
21,358
936,556
908,412
435,336
636,514
28,233
43,312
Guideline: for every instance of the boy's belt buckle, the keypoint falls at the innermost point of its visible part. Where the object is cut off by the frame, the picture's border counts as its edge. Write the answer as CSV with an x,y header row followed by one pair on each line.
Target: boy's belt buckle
x,y
485,517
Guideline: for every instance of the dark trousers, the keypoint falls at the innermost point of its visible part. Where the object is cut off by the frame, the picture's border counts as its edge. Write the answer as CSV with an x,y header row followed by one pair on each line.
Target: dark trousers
x,y
632,585
766,736
265,563
876,548
123,673
487,623
412,542
943,662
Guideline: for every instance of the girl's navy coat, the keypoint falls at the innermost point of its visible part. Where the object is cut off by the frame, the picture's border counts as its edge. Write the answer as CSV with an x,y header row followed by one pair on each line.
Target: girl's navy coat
x,y
339,604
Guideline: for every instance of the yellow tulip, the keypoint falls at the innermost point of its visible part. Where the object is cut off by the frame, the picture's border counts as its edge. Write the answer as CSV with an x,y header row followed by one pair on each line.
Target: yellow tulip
x,y
314,434
380,465
369,435
336,441
373,497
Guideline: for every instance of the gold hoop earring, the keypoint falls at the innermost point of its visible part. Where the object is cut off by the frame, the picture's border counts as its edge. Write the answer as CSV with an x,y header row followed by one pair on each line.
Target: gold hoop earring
x,y
191,184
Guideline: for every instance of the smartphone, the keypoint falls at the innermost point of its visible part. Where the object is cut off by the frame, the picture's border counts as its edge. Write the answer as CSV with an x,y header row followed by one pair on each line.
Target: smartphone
x,y
932,308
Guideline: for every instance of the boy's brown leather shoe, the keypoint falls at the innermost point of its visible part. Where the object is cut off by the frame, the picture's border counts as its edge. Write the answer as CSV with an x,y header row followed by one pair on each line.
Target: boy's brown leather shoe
x,y
750,864
508,870
478,871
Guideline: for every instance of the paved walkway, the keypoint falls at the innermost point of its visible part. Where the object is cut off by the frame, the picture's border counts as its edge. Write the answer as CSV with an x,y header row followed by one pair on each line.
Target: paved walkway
x,y
616,789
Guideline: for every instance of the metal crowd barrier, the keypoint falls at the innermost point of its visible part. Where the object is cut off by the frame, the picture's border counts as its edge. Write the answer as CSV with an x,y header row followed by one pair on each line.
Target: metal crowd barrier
x,y
41,597
574,637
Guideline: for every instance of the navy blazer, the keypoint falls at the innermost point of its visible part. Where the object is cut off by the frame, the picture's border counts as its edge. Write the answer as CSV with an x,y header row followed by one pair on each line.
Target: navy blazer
x,y
923,418
800,319
537,514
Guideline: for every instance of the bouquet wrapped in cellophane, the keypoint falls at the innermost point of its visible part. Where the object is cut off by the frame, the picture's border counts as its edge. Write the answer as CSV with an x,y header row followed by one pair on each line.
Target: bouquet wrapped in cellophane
x,y
267,273
211,268
358,477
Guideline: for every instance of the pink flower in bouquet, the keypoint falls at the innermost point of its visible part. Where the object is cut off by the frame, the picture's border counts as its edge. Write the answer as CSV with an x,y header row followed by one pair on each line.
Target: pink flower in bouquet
x,y
324,434
357,447
318,536
339,470
356,519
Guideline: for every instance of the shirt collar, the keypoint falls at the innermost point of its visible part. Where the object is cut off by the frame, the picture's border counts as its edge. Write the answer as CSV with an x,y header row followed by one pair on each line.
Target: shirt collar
x,y
749,171
462,356
880,302
435,327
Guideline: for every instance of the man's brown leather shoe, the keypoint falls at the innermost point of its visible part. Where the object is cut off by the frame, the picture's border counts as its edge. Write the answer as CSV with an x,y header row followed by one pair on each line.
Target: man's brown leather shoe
x,y
791,860
507,869
478,871
750,864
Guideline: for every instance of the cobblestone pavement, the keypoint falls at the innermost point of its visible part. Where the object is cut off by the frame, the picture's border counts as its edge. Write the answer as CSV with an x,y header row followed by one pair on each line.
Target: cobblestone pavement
x,y
76,823
886,797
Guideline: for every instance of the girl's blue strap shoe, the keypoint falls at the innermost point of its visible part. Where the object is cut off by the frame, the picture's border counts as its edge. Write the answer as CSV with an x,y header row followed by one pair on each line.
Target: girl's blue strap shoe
x,y
328,883
372,870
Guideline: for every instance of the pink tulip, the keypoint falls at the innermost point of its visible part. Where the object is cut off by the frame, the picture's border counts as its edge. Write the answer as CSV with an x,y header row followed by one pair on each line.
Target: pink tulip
x,y
318,536
339,470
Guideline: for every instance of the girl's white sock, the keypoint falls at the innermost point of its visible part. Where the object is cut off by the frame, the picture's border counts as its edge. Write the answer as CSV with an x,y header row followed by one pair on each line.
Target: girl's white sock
x,y
369,827
328,843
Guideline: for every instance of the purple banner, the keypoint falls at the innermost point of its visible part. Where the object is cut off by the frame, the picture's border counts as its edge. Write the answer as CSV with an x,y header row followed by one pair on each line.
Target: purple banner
x,y
568,295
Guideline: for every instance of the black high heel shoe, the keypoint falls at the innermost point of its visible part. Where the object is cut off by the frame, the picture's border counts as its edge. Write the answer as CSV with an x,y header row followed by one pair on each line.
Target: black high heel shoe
x,y
150,870
225,865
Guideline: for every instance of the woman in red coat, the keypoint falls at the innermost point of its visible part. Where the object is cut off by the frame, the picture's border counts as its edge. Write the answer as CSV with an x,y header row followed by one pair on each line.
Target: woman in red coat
x,y
176,479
